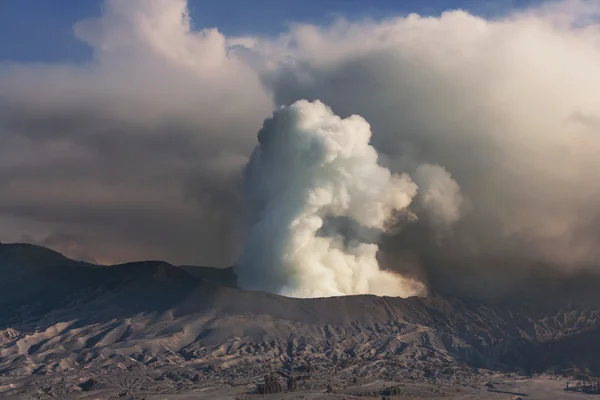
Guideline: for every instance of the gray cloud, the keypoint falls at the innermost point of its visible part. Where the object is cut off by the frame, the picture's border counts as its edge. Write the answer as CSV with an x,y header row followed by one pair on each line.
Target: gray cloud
x,y
139,153
492,102
141,149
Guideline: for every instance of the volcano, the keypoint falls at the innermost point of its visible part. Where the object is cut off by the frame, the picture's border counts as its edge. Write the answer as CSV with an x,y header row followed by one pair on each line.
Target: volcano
x,y
70,329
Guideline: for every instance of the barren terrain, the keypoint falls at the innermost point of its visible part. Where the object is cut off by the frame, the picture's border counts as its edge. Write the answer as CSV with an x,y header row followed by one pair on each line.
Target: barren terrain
x,y
156,331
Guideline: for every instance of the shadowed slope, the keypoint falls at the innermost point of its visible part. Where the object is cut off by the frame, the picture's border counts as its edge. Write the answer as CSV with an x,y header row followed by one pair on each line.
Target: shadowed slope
x,y
62,314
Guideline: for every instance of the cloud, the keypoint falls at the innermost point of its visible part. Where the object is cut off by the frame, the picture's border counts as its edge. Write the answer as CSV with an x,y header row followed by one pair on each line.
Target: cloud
x,y
439,195
138,148
141,151
492,101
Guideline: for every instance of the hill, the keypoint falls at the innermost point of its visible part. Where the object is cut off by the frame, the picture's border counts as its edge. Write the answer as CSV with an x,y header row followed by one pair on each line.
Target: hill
x,y
151,327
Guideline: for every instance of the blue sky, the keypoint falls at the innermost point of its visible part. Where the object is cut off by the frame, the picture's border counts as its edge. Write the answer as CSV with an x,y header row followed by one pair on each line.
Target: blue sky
x,y
34,30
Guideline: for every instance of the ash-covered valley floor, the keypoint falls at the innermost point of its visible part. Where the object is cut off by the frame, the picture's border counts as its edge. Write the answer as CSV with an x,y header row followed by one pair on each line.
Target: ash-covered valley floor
x,y
151,330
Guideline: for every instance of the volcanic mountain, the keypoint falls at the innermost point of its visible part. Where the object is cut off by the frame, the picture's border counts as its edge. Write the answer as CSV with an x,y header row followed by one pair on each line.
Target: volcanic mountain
x,y
69,328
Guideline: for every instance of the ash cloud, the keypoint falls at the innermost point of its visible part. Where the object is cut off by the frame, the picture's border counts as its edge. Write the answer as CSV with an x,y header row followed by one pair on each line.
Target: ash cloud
x,y
141,151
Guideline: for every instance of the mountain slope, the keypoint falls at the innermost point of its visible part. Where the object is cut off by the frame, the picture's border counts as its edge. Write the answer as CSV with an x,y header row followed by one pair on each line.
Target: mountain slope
x,y
64,317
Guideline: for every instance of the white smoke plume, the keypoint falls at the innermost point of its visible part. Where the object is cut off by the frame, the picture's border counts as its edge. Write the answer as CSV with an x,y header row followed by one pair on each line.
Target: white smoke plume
x,y
310,166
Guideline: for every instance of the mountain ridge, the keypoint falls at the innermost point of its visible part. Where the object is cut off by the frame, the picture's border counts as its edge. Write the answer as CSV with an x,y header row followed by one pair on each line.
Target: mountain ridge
x,y
152,317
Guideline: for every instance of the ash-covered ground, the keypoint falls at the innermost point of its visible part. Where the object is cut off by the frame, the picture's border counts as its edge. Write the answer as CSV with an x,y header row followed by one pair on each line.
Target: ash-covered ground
x,y
151,330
